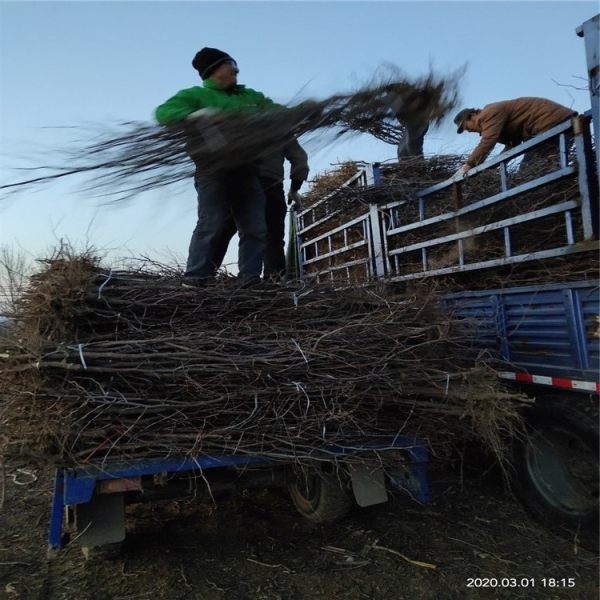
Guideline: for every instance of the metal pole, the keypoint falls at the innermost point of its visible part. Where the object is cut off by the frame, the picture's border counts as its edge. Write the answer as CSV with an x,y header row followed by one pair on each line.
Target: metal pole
x,y
590,31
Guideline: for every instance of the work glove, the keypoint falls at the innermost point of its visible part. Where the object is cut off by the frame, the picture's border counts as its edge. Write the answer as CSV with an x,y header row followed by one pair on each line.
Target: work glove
x,y
294,198
205,121
461,173
203,112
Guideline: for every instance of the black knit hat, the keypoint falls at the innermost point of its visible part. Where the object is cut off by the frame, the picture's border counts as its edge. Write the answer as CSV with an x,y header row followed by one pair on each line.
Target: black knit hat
x,y
462,116
208,60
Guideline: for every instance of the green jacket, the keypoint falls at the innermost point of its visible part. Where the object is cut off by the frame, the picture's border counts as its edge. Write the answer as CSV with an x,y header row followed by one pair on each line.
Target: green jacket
x,y
187,101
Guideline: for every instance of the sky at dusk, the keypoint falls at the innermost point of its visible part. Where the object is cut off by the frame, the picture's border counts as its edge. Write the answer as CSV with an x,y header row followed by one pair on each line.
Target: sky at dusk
x,y
70,67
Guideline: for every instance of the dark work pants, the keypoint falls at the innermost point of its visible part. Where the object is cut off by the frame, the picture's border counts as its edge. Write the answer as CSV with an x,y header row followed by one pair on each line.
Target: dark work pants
x,y
275,218
275,211
232,198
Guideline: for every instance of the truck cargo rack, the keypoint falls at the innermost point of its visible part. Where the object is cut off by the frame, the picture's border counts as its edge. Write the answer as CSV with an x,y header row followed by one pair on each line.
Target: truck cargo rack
x,y
373,243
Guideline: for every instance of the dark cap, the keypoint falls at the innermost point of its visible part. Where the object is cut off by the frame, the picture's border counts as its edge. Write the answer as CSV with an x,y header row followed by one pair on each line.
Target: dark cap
x,y
462,116
208,60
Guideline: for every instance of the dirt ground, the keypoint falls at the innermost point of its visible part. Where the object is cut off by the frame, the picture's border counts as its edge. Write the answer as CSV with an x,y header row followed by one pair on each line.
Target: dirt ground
x,y
257,547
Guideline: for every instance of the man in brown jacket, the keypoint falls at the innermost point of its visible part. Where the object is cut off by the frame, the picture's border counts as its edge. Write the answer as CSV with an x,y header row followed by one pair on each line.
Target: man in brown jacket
x,y
509,122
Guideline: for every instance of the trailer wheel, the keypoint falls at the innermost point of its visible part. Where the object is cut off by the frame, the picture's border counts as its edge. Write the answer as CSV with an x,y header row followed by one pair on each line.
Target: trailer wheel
x,y
556,470
320,494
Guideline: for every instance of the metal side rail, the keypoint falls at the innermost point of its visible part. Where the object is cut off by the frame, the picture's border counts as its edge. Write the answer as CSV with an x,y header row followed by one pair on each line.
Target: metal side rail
x,y
451,227
542,334
576,215
345,247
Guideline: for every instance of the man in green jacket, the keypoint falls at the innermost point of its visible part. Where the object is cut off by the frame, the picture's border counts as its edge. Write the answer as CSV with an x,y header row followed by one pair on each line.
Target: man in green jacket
x,y
229,192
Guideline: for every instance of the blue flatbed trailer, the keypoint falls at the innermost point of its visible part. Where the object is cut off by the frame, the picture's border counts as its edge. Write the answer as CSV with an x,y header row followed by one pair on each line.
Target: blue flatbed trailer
x,y
91,500
546,341
548,334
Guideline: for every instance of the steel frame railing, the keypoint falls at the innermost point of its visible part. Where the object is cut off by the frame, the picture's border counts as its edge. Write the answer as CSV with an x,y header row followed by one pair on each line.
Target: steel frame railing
x,y
383,226
322,248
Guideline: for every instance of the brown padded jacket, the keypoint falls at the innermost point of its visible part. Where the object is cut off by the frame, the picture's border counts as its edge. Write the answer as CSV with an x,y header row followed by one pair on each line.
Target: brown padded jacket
x,y
511,122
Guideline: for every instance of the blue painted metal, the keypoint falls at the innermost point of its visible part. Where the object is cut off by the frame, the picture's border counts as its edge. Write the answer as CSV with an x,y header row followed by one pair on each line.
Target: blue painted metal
x,y
57,512
543,330
80,483
390,257
505,157
418,483
576,330
418,468
587,179
376,250
590,31
588,300
501,327
376,174
76,485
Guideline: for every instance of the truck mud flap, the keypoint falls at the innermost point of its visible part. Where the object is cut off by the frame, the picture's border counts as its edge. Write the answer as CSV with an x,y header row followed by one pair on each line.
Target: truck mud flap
x,y
101,521
368,485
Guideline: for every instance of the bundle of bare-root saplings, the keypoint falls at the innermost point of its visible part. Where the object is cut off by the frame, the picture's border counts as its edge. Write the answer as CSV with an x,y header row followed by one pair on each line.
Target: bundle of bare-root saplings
x,y
105,365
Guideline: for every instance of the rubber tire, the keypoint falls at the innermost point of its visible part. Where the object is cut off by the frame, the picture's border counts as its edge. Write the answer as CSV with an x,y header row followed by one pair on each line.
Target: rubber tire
x,y
560,424
320,496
